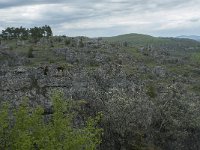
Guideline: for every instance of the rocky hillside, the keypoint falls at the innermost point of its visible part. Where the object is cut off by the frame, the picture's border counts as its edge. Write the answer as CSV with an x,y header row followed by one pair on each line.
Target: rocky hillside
x,y
149,94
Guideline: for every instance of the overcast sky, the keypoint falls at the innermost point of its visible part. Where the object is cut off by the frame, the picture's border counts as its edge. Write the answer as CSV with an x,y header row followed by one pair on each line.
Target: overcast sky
x,y
104,17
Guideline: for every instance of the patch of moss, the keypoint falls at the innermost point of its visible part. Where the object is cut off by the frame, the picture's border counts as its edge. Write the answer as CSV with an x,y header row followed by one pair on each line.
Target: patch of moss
x,y
134,52
129,70
196,88
64,65
151,91
195,57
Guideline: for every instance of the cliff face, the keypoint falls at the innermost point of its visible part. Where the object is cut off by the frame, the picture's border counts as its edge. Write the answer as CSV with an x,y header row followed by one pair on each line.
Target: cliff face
x,y
145,103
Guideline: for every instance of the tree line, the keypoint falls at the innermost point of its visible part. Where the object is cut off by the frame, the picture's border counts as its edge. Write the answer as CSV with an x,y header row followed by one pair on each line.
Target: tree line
x,y
26,33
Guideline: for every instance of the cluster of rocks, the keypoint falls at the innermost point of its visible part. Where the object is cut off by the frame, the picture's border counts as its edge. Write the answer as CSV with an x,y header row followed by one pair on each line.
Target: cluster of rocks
x,y
11,58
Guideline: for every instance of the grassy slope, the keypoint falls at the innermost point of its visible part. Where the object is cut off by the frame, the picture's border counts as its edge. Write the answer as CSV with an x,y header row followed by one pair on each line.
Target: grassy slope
x,y
144,40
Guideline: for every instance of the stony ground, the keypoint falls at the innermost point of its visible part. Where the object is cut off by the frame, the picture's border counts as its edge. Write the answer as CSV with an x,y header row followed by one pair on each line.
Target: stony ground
x,y
149,96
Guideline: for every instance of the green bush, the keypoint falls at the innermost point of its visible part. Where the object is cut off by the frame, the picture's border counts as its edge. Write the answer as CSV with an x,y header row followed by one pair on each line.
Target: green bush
x,y
81,44
196,57
51,43
30,53
67,42
151,91
24,128
11,48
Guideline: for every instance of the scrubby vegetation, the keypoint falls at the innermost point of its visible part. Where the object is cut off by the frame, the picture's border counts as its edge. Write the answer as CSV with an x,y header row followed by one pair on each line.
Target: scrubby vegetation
x,y
196,57
147,89
28,128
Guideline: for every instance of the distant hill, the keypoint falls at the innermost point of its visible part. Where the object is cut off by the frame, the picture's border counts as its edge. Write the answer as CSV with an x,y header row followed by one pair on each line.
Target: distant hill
x,y
133,38
193,37
142,40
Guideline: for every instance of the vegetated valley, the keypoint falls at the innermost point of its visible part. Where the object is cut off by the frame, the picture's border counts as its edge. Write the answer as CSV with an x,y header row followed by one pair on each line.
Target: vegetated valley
x,y
146,88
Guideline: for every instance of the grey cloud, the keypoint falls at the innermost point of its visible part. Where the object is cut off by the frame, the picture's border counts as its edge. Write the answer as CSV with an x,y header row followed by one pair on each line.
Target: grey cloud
x,y
107,17
195,20
16,3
